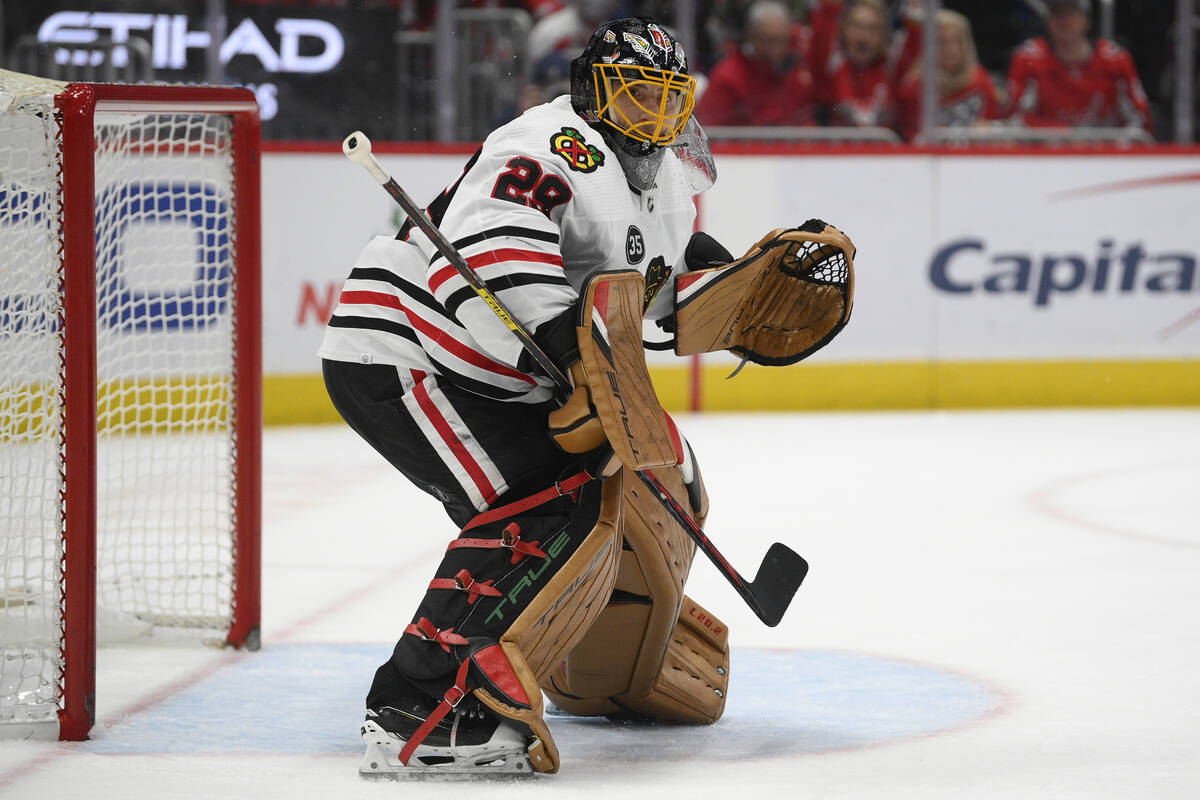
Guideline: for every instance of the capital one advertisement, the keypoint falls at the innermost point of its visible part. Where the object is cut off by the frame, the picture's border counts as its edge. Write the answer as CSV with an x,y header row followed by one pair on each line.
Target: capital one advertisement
x,y
316,71
960,258
992,257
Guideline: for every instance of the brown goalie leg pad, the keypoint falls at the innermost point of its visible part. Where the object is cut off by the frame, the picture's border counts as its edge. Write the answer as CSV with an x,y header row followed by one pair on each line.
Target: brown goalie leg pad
x,y
690,687
694,679
652,651
555,621
543,752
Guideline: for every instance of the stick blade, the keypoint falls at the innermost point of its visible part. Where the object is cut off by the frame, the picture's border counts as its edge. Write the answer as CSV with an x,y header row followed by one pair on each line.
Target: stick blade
x,y
780,575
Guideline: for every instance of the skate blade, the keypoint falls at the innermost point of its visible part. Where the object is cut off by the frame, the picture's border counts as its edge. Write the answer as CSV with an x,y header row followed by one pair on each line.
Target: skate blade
x,y
512,768
381,762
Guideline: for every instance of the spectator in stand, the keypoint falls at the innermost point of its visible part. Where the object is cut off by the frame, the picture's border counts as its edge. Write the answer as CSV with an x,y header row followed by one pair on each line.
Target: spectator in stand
x,y
861,91
1071,80
762,80
825,20
968,96
565,32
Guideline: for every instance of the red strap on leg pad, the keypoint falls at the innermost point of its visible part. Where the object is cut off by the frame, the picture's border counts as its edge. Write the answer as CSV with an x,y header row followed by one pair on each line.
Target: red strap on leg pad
x,y
496,669
564,487
510,537
425,629
451,699
463,581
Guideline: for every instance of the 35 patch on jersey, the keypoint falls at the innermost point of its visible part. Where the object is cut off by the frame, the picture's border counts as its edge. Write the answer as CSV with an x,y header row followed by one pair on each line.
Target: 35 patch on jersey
x,y
635,245
579,155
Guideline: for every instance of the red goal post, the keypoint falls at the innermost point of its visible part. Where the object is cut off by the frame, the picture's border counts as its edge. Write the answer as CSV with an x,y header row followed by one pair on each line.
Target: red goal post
x,y
130,381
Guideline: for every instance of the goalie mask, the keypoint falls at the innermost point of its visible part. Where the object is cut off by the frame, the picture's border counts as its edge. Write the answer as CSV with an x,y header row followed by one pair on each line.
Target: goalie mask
x,y
631,84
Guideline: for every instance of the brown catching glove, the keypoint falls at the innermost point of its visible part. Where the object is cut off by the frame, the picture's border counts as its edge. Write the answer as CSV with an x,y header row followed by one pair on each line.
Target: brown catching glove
x,y
785,299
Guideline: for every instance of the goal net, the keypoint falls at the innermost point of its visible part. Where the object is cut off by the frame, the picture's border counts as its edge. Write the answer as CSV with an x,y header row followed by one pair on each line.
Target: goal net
x,y
129,380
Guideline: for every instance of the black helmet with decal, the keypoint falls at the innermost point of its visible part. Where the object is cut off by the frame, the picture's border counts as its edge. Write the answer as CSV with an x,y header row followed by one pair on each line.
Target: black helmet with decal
x,y
631,83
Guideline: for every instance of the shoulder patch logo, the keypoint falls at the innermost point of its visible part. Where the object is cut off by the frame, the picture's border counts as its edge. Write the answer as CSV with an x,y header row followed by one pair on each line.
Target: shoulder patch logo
x,y
635,245
579,155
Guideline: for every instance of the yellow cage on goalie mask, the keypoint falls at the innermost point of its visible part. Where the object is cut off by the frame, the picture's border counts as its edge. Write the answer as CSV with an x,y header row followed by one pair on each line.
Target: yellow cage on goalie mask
x,y
646,104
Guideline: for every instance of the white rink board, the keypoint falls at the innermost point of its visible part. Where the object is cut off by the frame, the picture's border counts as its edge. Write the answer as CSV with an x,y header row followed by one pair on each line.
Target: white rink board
x,y
1107,243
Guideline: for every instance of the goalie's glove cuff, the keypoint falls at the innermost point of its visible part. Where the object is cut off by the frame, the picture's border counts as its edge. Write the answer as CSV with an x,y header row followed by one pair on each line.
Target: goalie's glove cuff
x,y
556,338
575,426
705,252
702,252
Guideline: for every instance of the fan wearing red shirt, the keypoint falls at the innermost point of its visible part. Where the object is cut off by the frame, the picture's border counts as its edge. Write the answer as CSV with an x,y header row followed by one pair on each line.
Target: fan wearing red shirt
x,y
861,85
967,93
824,56
1069,80
824,18
762,80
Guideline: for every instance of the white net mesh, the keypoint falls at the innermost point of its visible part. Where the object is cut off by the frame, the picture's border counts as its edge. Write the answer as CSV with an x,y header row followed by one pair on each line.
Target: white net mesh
x,y
31,406
166,357
165,362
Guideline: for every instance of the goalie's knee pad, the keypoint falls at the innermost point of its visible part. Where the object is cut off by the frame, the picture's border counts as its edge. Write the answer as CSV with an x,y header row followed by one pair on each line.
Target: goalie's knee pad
x,y
510,599
653,651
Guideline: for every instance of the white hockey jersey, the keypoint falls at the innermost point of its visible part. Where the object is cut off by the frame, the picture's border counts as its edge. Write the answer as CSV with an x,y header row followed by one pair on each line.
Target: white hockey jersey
x,y
541,207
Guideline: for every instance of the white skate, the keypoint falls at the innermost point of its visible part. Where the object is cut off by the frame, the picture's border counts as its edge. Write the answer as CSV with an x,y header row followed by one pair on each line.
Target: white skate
x,y
451,751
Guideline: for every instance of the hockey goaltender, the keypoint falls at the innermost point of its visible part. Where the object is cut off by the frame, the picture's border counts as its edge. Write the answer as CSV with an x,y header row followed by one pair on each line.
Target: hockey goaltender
x,y
567,228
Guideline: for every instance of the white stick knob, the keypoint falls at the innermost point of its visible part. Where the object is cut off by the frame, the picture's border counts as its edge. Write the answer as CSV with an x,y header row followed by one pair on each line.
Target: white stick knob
x,y
357,148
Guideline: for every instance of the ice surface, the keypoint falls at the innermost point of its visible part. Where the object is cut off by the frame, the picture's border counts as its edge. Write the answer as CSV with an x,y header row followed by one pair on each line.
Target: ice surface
x,y
1001,604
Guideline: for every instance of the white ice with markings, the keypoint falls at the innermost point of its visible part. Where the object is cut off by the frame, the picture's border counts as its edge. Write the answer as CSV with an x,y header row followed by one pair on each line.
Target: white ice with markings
x,y
1001,604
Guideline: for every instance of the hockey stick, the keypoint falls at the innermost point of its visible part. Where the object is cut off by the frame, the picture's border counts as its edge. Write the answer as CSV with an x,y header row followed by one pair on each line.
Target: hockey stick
x,y
357,148
782,570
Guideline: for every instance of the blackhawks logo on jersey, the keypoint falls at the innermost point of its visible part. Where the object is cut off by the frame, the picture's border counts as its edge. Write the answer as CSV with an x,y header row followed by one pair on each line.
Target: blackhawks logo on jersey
x,y
657,273
579,155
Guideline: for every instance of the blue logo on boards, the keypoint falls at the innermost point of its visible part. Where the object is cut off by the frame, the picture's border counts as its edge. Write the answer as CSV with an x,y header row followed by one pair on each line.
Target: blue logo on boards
x,y
196,303
966,266
194,307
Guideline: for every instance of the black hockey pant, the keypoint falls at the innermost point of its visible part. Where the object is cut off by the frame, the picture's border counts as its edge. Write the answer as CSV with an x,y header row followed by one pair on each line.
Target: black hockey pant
x,y
468,451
